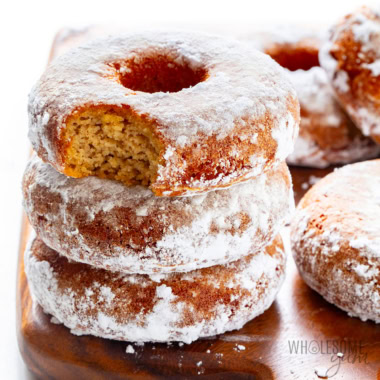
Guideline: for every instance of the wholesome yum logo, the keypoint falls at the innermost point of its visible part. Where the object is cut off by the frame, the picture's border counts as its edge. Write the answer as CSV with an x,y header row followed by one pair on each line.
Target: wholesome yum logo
x,y
340,352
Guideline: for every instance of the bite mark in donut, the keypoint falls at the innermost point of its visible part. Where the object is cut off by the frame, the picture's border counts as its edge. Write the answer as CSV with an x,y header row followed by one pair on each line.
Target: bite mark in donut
x,y
179,113
110,143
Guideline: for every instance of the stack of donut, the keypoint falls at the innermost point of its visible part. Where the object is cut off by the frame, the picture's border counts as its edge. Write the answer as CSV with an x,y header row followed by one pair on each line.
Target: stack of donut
x,y
159,187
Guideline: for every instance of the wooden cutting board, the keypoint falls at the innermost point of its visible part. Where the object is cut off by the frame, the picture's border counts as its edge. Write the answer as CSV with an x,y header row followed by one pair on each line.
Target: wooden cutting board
x,y
298,337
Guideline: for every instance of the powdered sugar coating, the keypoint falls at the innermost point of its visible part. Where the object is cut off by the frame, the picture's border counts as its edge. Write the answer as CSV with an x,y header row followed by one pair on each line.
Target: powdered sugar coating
x,y
327,136
336,242
243,88
128,229
351,59
334,139
179,307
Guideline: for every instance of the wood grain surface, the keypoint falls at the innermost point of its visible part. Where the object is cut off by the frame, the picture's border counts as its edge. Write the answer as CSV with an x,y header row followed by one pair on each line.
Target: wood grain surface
x,y
264,349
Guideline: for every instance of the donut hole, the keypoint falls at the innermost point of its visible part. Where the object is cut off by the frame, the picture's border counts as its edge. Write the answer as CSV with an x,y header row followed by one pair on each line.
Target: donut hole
x,y
158,73
110,142
294,57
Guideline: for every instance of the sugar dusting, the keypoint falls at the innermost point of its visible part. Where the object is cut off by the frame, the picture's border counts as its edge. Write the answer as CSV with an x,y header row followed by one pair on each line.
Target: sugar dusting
x,y
337,226
257,281
199,231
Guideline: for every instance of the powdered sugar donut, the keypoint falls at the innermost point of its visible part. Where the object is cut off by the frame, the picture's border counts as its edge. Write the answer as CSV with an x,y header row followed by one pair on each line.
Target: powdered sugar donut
x,y
179,112
128,229
327,135
351,58
336,241
139,308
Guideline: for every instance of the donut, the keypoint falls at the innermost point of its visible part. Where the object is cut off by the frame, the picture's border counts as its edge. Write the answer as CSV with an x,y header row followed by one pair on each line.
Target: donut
x,y
327,136
157,308
336,242
127,229
180,113
351,58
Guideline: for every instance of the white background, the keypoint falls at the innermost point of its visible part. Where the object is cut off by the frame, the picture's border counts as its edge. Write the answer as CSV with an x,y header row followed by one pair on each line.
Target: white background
x,y
26,32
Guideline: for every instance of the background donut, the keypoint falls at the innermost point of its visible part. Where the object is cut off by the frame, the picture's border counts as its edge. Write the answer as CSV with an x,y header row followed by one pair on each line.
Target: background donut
x,y
351,58
336,242
327,136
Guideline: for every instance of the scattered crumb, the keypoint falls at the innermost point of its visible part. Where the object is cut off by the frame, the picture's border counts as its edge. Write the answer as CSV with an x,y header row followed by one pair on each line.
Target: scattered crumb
x,y
312,181
201,369
239,347
339,355
219,357
130,349
55,321
180,361
180,344
321,373
208,351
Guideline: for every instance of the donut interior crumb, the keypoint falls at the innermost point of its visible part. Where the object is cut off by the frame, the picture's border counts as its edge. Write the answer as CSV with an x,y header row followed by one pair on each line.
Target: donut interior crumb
x,y
111,143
